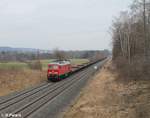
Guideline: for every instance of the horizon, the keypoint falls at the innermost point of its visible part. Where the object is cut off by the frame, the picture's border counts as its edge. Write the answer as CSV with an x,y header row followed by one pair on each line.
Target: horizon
x,y
51,49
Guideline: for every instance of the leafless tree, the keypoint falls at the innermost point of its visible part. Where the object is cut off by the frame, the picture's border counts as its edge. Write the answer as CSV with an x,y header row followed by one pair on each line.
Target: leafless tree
x,y
59,55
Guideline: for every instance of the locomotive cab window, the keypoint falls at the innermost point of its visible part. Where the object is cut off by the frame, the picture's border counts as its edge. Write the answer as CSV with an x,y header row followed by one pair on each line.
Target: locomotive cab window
x,y
55,67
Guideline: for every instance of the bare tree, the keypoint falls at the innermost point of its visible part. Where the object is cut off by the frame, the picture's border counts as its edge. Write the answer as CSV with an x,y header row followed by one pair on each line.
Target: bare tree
x,y
59,55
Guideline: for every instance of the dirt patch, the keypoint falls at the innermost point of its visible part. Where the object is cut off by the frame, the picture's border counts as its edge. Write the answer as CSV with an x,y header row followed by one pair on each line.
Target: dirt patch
x,y
15,80
106,97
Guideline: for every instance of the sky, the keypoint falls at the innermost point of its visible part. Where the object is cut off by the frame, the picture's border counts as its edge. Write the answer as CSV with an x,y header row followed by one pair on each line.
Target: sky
x,y
63,24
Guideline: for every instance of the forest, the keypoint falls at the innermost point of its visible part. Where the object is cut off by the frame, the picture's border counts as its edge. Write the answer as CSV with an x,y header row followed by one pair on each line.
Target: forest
x,y
131,41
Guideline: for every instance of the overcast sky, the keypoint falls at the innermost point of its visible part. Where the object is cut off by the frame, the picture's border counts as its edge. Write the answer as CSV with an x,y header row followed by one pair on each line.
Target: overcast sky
x,y
65,24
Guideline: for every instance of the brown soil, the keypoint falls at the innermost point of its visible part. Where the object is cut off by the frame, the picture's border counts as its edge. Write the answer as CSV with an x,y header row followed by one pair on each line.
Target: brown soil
x,y
15,80
106,97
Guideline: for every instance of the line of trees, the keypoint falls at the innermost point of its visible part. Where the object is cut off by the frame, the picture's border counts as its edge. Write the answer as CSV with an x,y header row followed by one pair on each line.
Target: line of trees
x,y
6,56
131,38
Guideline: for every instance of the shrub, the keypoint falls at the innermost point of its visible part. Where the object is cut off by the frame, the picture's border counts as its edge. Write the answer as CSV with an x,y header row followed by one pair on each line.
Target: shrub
x,y
36,65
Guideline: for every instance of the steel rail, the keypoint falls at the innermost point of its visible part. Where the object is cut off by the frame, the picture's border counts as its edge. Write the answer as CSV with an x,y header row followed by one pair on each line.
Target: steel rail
x,y
62,88
54,87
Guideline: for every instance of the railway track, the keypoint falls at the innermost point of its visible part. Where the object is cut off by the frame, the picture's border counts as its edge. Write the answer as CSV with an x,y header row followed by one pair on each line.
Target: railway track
x,y
28,102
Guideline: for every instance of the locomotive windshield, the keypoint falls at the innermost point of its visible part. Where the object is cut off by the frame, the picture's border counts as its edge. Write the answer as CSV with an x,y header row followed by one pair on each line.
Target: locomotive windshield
x,y
53,67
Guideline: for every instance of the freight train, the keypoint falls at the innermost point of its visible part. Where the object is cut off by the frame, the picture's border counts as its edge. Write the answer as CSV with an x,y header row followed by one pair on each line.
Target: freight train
x,y
58,70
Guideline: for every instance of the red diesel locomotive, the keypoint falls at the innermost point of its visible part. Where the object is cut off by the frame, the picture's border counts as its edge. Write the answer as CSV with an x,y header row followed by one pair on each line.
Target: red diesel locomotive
x,y
58,70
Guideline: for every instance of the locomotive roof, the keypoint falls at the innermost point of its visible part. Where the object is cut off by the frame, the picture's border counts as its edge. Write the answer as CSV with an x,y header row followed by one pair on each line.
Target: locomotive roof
x,y
60,63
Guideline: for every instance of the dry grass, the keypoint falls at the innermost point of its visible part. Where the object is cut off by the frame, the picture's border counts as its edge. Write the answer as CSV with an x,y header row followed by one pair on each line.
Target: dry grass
x,y
16,80
106,97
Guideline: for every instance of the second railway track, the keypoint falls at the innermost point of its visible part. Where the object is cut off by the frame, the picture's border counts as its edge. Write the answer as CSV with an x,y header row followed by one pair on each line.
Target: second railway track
x,y
41,89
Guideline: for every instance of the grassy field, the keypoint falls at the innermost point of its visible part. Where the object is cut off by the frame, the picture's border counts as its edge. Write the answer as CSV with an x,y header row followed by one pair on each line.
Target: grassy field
x,y
21,65
13,65
15,76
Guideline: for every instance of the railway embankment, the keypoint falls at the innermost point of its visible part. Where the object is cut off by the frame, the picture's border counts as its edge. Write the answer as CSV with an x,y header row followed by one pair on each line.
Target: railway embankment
x,y
107,97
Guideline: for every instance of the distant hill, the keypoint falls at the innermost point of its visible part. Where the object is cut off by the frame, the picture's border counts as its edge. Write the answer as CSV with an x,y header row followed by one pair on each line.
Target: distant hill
x,y
10,49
